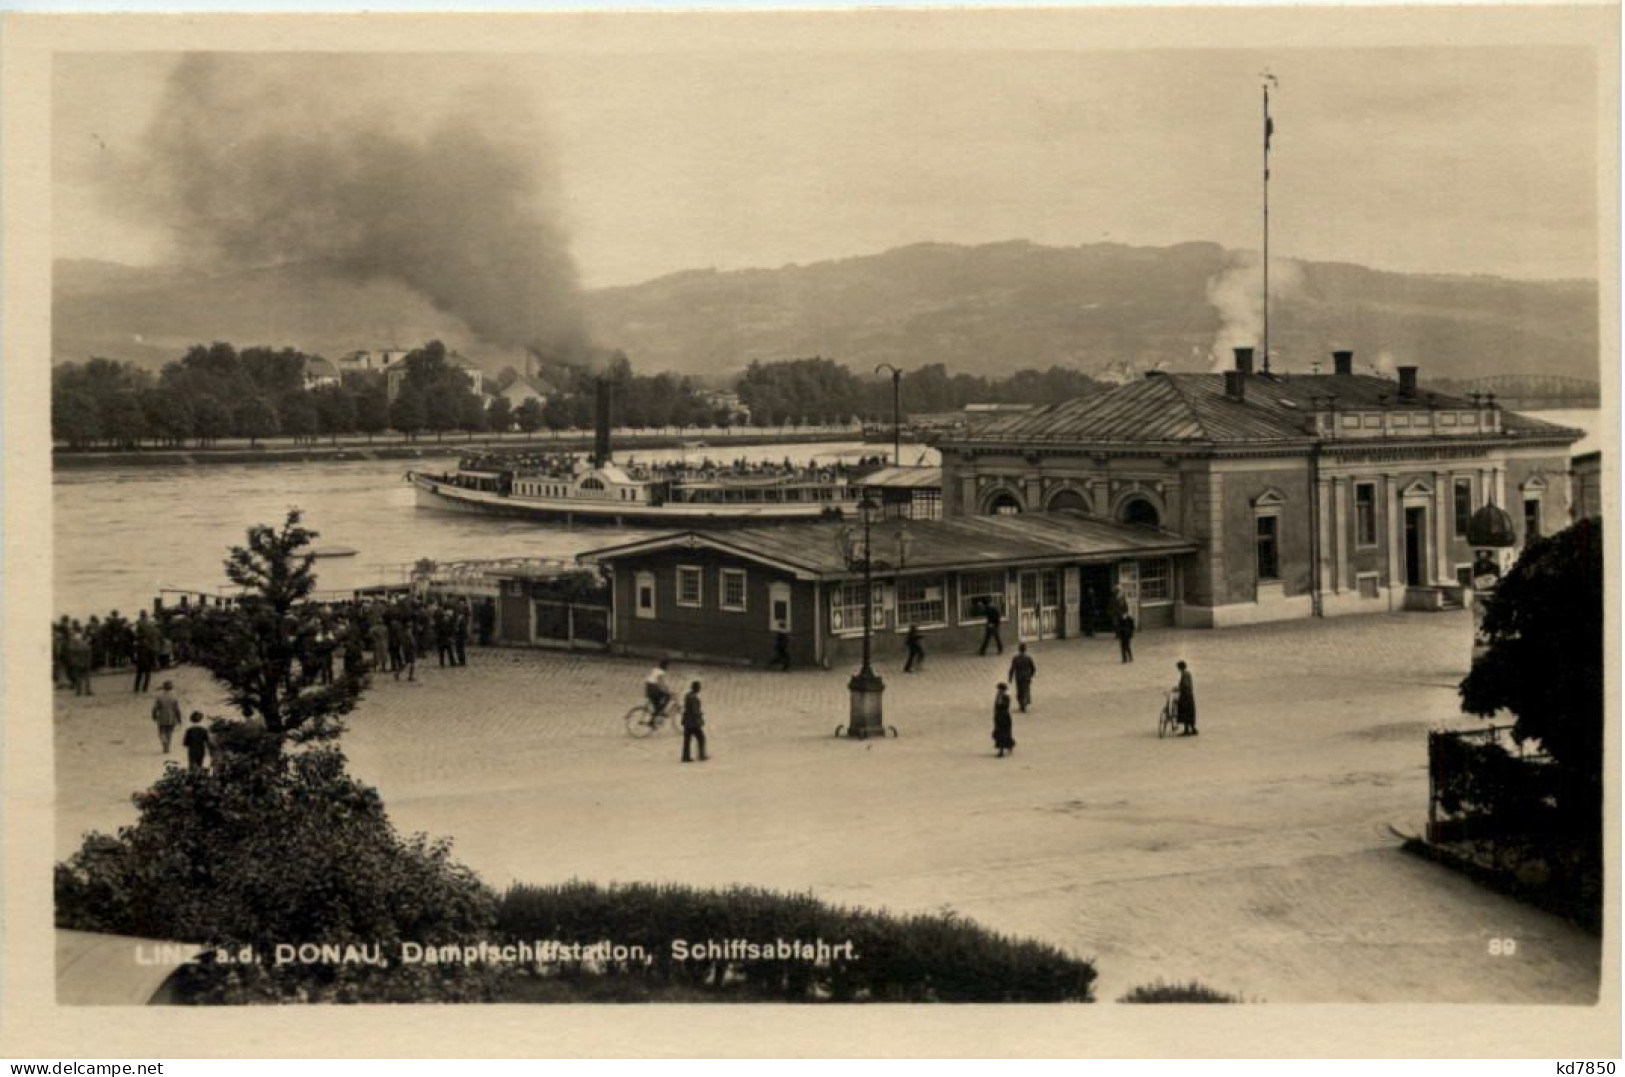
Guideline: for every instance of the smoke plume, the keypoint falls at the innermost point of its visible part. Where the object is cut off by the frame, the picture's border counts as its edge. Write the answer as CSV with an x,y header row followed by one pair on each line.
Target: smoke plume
x,y
255,161
1236,293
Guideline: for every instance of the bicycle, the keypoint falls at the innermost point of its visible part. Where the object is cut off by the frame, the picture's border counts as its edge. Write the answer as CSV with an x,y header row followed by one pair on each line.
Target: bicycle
x,y
643,720
1168,721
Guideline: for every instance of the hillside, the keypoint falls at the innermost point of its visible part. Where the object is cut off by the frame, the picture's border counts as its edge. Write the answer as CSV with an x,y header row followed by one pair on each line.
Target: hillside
x,y
982,309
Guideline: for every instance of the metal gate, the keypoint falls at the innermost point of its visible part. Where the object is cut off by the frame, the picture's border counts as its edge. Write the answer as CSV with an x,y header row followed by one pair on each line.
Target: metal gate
x,y
569,625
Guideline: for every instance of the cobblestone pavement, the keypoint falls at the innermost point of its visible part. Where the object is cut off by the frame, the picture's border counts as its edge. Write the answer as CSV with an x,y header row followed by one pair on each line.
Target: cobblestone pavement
x,y
1255,857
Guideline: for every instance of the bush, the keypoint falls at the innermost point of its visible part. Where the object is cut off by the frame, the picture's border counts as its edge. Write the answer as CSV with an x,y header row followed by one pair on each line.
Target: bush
x,y
1191,992
272,847
921,958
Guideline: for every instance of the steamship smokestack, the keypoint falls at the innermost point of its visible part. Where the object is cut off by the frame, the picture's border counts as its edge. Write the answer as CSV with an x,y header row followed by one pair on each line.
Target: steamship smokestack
x,y
601,453
1244,360
1342,362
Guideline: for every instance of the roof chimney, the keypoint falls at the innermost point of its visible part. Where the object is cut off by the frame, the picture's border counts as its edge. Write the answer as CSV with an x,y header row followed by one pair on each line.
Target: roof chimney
x,y
1407,381
1342,362
1244,360
1235,382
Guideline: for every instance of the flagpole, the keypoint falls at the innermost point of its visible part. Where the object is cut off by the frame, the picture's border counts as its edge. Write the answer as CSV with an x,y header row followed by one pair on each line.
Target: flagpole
x,y
1266,227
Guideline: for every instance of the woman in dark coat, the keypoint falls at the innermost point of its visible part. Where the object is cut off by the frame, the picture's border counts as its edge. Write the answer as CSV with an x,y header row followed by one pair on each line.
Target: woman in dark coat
x,y
1187,701
1003,728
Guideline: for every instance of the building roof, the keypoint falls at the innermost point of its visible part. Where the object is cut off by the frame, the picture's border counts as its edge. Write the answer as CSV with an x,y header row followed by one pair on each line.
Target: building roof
x,y
317,367
812,550
525,387
1195,409
899,478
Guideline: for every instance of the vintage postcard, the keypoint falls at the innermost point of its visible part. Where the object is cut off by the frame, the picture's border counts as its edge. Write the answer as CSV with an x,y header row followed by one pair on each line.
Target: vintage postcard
x,y
1096,515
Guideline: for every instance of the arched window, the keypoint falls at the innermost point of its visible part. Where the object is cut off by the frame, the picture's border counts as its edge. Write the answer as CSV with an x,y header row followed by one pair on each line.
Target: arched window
x,y
1004,503
1069,501
1139,511
592,483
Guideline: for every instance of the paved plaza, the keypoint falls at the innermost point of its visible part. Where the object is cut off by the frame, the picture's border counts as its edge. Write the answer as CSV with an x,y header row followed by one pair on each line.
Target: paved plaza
x,y
1255,857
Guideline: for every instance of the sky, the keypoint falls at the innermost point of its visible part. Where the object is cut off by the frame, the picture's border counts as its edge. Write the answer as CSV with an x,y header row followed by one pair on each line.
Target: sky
x,y
1469,160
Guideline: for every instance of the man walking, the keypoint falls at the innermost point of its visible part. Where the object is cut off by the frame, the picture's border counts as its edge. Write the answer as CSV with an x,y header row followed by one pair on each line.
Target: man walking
x,y
146,652
991,633
196,743
1125,637
1022,671
1187,701
166,714
459,631
916,650
781,652
77,657
380,644
693,723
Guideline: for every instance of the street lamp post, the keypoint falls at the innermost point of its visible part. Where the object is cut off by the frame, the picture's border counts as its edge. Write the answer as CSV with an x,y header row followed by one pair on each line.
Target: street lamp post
x,y
866,688
896,411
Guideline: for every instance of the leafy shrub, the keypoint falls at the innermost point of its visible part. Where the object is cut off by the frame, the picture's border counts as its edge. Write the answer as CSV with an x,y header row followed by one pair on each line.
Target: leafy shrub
x,y
271,847
1484,779
1157,991
919,958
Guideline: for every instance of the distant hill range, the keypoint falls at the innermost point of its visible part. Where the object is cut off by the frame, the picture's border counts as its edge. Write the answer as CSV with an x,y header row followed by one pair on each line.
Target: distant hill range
x,y
1106,309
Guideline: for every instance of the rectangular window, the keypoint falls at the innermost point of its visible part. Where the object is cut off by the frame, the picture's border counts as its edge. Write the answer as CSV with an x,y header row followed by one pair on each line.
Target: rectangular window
x,y
846,608
925,505
690,584
1370,585
922,601
1365,514
1156,581
1269,559
1464,505
1531,519
733,590
976,590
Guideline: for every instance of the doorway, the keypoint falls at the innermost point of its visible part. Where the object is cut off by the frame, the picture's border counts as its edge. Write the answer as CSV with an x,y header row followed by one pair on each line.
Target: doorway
x,y
1039,615
1095,599
1416,532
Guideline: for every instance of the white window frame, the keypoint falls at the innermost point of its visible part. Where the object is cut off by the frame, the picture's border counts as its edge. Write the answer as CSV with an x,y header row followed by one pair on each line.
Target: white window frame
x,y
699,586
941,582
1146,598
722,590
837,608
1376,523
1458,526
776,592
1538,496
1001,595
1260,515
639,582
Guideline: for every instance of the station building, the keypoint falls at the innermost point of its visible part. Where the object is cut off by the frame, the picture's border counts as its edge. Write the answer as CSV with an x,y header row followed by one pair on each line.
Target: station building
x,y
727,593
1300,494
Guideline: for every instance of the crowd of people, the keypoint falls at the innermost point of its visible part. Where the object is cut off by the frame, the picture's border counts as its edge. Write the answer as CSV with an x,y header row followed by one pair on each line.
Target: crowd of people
x,y
565,465
115,642
380,635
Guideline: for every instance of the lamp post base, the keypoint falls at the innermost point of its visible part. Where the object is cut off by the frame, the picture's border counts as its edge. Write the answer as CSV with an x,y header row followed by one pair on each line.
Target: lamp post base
x,y
866,689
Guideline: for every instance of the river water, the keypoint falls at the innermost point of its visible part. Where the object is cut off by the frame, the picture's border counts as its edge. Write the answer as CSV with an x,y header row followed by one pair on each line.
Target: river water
x,y
123,534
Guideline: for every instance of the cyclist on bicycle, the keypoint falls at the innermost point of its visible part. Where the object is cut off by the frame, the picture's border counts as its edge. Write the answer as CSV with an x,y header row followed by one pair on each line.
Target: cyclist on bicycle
x,y
654,686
